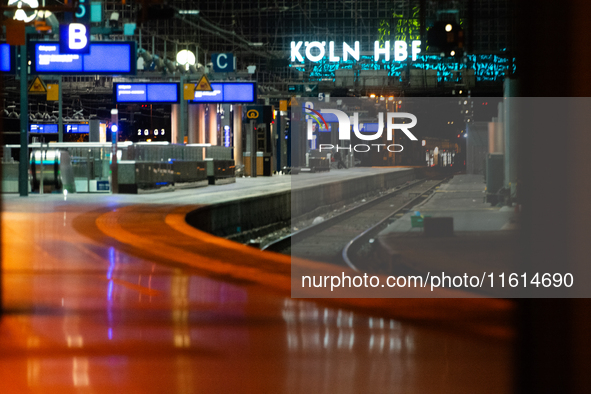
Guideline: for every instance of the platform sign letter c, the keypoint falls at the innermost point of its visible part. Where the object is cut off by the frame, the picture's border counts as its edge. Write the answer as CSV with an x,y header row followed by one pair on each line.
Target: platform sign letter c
x,y
77,36
220,58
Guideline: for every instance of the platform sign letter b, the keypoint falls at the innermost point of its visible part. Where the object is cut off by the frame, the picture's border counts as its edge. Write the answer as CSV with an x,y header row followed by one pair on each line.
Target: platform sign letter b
x,y
74,38
77,36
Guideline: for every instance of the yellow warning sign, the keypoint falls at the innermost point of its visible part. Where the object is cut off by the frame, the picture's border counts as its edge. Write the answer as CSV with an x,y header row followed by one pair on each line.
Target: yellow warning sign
x,y
283,105
292,101
189,91
203,85
37,87
53,92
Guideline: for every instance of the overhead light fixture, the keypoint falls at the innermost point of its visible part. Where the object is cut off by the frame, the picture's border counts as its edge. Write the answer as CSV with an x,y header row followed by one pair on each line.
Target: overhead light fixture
x,y
170,66
158,63
148,59
185,57
188,12
21,14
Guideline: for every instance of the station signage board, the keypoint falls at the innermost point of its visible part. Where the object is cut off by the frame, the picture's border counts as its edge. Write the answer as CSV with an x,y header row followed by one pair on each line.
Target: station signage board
x,y
104,57
74,31
223,62
74,38
77,128
151,93
316,51
43,128
228,92
7,58
255,112
83,11
227,136
82,14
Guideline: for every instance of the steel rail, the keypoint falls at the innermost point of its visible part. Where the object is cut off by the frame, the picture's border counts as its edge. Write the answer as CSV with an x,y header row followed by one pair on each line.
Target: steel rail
x,y
367,233
284,242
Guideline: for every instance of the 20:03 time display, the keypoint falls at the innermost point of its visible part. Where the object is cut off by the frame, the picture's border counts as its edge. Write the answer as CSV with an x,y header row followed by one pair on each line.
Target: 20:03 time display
x,y
155,132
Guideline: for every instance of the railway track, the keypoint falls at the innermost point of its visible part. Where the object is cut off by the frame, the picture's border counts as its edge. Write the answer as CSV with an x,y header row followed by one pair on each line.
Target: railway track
x,y
336,239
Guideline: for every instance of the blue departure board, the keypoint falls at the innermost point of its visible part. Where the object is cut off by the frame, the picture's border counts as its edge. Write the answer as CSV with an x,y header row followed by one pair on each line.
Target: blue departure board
x,y
5,58
105,57
43,128
228,92
370,128
153,93
77,128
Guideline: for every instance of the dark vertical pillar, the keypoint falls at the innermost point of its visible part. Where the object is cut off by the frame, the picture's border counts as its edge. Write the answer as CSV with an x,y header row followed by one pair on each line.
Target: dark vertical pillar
x,y
114,161
289,141
60,108
23,169
252,130
553,345
279,143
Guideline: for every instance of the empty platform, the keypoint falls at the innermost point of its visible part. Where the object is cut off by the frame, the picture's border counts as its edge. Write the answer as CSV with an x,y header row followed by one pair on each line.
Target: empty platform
x,y
113,293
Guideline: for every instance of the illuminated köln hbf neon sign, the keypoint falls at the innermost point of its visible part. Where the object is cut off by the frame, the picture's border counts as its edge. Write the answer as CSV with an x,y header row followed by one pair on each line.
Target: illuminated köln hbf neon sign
x,y
316,50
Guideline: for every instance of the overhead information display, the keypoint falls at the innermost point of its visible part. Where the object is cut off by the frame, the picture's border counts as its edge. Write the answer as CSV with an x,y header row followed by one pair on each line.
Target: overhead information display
x,y
112,57
43,128
5,58
228,92
77,128
153,93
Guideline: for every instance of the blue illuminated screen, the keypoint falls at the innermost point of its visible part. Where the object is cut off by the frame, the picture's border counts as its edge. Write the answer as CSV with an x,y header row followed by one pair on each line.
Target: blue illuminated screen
x,y
216,95
369,127
115,58
5,60
77,128
43,128
227,136
228,93
239,93
147,92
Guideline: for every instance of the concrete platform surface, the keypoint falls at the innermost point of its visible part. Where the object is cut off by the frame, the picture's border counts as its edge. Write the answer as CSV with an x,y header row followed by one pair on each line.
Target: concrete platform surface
x,y
463,199
242,188
105,296
485,238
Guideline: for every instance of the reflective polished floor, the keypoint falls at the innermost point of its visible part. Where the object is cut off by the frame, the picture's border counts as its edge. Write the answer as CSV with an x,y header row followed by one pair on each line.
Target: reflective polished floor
x,y
108,297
